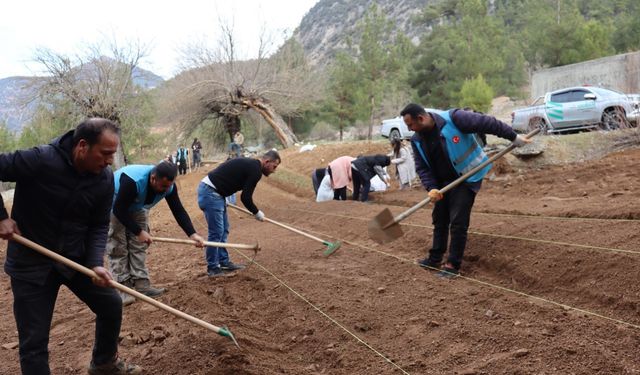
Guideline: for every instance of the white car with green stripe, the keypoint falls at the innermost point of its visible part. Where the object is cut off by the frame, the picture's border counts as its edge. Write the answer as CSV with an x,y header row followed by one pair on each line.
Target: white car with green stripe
x,y
574,108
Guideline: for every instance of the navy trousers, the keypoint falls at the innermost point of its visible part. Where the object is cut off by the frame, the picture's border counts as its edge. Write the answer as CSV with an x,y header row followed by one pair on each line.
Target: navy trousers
x,y
452,215
33,309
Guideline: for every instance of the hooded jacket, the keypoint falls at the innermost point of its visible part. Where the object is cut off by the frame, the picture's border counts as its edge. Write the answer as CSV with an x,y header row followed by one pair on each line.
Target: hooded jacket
x,y
56,207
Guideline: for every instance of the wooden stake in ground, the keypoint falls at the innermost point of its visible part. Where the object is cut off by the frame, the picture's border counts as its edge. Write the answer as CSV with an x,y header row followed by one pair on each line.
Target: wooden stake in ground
x,y
222,331
332,247
384,227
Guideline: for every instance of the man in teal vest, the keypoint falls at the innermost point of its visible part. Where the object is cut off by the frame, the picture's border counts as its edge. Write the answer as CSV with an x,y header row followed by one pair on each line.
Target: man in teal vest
x,y
181,159
445,148
137,189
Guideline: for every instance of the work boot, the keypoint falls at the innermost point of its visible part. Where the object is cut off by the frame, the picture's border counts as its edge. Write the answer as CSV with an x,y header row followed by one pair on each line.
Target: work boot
x,y
144,286
117,367
230,266
216,272
127,299
448,271
429,264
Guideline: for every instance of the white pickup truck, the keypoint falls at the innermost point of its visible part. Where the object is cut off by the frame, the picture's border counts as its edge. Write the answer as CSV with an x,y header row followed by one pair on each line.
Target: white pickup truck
x,y
573,108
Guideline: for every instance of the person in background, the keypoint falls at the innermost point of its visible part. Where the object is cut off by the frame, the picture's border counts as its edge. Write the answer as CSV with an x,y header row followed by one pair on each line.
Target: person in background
x,y
196,151
182,154
316,178
341,176
363,170
235,148
169,159
403,159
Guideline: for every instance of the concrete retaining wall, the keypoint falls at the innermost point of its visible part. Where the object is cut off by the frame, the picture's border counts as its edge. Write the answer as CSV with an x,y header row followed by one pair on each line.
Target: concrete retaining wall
x,y
619,72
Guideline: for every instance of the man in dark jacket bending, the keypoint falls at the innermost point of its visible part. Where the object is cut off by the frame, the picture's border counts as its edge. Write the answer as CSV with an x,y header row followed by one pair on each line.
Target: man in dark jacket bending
x,y
445,148
62,201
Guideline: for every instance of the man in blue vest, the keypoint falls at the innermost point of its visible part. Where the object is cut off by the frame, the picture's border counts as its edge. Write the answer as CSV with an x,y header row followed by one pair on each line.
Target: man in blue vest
x,y
181,159
137,189
446,148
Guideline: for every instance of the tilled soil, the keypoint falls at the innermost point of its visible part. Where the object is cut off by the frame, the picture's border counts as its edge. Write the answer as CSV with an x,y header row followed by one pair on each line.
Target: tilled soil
x,y
549,286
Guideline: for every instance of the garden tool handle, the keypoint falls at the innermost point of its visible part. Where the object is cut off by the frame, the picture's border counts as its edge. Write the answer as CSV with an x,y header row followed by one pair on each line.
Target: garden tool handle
x,y
458,181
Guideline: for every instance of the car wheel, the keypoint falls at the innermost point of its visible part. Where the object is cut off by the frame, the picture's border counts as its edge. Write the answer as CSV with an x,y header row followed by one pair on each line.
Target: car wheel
x,y
395,134
538,123
612,119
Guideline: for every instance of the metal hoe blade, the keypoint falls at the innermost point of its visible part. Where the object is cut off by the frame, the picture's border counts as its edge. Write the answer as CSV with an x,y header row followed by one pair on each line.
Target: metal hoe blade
x,y
332,247
224,331
383,229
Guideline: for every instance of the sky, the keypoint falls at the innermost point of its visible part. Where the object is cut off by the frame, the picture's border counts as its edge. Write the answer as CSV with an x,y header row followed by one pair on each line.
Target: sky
x,y
68,26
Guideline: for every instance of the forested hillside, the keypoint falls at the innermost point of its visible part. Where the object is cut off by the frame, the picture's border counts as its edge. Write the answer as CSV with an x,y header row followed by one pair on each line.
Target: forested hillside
x,y
445,53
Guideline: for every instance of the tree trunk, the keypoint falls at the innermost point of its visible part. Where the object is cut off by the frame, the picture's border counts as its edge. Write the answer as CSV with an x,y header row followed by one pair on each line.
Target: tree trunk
x,y
285,135
119,160
370,130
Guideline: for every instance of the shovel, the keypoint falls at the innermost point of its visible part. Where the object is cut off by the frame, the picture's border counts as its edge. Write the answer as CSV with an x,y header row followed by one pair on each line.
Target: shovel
x,y
222,331
332,247
384,227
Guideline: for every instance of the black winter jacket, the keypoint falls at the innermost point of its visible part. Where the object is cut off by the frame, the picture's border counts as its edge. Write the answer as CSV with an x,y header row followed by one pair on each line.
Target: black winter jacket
x,y
365,164
56,207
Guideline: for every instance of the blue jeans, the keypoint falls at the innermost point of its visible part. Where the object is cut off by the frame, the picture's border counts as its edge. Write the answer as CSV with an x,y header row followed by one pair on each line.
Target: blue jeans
x,y
215,211
232,198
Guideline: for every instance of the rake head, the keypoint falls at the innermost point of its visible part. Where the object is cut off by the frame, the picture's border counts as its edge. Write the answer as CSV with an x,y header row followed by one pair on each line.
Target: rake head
x,y
224,331
332,247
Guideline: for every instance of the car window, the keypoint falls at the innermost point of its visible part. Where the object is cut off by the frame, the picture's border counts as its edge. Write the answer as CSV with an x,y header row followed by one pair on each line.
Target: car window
x,y
577,95
561,97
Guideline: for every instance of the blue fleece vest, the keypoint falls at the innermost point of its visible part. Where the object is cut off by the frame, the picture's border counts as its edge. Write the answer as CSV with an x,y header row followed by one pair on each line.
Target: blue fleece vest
x,y
463,149
139,174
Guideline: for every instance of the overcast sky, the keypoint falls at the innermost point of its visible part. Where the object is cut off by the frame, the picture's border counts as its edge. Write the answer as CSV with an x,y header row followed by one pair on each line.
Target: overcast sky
x,y
65,26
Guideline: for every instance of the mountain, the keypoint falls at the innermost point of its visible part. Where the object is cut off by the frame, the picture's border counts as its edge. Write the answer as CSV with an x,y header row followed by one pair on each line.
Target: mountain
x,y
16,94
324,30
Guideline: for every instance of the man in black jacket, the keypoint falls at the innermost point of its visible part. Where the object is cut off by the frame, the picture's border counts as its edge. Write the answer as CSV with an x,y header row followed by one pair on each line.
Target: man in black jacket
x,y
363,169
445,148
228,178
62,201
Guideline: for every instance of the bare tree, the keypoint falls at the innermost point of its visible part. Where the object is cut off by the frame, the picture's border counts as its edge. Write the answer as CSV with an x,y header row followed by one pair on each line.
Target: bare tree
x,y
215,83
99,82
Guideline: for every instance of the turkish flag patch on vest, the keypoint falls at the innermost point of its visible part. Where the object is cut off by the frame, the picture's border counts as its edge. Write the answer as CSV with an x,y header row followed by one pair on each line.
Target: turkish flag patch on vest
x,y
455,139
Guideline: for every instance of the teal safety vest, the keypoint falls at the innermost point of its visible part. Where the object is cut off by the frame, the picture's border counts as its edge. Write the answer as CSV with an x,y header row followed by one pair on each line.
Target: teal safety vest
x,y
182,153
140,174
463,149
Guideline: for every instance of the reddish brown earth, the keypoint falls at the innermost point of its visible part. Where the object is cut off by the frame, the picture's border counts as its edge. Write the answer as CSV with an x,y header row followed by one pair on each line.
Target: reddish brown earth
x,y
570,305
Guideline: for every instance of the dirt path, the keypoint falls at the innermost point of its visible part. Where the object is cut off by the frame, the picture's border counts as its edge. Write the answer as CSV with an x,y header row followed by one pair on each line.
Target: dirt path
x,y
569,305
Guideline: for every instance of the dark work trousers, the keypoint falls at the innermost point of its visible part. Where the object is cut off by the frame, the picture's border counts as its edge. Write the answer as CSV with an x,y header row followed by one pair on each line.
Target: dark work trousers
x,y
452,214
338,194
182,168
33,309
316,178
360,182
